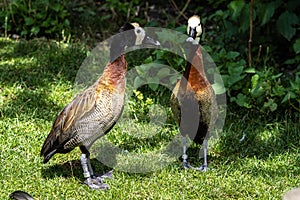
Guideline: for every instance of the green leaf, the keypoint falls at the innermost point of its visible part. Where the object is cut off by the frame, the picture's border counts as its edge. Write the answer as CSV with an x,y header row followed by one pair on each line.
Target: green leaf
x,y
234,79
294,85
144,69
292,95
218,88
278,90
254,80
257,92
236,7
167,35
286,97
289,95
173,79
285,24
290,61
232,54
218,85
24,32
46,23
180,61
138,81
153,86
244,17
35,30
39,16
29,21
148,60
296,46
241,100
236,70
250,70
67,22
276,76
225,79
164,72
271,105
55,7
182,28
231,28
266,11
154,80
153,83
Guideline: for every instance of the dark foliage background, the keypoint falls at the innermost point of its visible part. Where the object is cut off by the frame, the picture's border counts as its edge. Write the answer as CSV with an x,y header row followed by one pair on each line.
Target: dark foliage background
x,y
271,83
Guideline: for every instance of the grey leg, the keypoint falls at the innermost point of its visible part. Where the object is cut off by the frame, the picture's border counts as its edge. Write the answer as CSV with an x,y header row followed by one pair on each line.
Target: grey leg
x,y
83,160
90,166
204,167
186,165
88,174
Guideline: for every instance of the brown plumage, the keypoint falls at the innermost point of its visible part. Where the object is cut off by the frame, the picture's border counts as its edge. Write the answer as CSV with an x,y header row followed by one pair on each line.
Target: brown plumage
x,y
94,112
193,100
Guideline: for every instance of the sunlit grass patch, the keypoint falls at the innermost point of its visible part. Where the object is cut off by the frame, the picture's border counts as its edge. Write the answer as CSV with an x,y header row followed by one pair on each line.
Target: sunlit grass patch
x,y
33,90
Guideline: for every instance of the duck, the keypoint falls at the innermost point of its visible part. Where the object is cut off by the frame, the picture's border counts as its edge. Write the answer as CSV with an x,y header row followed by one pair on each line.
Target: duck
x,y
20,195
193,100
95,111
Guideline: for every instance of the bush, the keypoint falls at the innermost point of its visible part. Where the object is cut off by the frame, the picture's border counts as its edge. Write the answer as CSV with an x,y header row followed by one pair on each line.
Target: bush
x,y
37,18
269,83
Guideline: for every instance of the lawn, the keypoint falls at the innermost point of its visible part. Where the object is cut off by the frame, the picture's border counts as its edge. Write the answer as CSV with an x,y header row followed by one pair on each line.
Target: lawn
x,y
36,82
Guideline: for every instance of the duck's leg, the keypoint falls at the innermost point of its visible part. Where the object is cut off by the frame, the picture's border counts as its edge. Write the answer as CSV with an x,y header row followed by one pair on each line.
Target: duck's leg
x,y
185,163
91,180
204,167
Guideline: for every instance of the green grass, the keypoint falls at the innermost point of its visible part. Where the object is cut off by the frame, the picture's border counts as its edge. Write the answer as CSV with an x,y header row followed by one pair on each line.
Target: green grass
x,y
36,82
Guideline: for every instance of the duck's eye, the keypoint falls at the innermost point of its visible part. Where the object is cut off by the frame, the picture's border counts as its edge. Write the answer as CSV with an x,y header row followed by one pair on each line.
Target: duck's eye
x,y
138,31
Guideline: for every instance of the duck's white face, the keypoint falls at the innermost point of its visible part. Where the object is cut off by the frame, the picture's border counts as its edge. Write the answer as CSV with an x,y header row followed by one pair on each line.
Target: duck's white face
x,y
139,33
130,35
194,23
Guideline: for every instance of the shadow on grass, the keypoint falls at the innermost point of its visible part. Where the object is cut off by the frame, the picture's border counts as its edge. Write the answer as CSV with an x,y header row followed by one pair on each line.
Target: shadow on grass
x,y
269,148
268,141
72,169
36,60
30,69
263,136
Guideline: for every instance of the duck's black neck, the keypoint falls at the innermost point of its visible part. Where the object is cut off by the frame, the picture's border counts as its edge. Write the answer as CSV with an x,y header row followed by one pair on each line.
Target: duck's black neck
x,y
188,67
115,53
118,44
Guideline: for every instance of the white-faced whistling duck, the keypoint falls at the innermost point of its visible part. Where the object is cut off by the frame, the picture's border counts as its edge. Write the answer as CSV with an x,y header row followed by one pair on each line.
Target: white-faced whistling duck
x,y
193,100
95,111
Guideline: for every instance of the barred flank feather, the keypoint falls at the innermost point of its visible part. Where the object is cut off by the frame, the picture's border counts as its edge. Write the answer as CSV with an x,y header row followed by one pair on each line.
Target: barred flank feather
x,y
91,114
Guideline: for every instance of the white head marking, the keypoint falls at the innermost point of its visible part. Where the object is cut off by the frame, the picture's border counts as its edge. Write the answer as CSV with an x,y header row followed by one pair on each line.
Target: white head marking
x,y
194,22
139,33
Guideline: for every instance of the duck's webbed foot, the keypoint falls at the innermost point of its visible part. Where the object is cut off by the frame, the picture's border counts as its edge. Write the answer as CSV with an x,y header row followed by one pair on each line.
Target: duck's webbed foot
x,y
202,168
93,181
96,183
102,177
186,165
